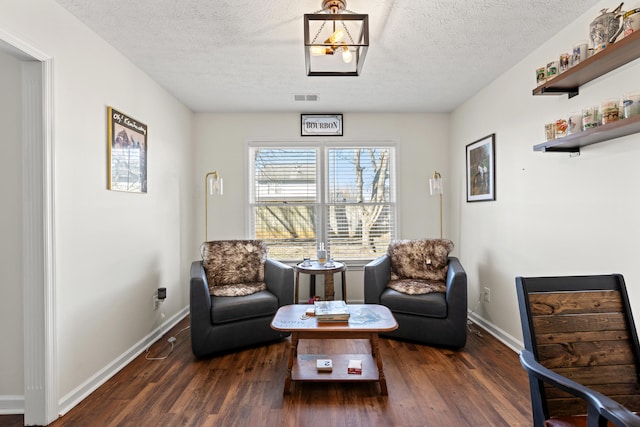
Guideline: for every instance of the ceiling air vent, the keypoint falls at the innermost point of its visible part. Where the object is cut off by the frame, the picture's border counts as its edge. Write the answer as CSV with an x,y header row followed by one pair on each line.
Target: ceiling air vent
x,y
303,97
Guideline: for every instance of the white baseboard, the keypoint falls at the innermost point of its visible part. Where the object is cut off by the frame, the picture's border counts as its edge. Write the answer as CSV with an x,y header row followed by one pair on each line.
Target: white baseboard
x,y
81,392
508,340
11,405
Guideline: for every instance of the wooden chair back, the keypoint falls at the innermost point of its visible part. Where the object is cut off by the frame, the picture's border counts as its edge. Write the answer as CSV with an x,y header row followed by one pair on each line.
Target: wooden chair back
x,y
582,328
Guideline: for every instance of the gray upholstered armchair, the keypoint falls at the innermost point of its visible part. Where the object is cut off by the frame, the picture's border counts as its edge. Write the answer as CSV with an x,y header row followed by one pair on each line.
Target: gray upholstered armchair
x,y
425,289
234,293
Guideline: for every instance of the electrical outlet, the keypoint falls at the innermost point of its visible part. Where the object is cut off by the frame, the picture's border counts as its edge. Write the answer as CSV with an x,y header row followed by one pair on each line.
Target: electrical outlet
x,y
487,294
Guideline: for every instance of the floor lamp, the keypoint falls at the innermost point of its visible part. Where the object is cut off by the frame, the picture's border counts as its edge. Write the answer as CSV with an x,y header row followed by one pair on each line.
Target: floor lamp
x,y
435,187
212,185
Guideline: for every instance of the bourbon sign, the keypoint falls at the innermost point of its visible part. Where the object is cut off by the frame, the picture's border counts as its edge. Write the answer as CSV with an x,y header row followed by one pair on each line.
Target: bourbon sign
x,y
321,124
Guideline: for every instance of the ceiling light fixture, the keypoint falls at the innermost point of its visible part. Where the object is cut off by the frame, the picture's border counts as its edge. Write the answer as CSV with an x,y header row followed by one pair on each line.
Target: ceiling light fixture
x,y
330,30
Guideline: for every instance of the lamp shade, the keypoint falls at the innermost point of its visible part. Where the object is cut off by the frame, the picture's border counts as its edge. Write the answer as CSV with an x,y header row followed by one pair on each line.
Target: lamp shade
x,y
436,186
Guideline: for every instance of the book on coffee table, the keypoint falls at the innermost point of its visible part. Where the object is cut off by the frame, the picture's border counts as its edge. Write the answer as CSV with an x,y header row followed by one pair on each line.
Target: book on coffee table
x,y
331,311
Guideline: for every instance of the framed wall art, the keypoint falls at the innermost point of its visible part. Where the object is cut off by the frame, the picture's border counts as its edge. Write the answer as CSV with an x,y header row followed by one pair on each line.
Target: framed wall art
x,y
320,124
481,169
127,142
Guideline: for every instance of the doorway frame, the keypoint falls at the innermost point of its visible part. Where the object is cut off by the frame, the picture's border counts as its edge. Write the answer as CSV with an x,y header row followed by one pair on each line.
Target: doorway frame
x,y
38,234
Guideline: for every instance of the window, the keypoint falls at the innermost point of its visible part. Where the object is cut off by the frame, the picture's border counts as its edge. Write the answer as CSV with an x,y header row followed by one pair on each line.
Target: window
x,y
343,197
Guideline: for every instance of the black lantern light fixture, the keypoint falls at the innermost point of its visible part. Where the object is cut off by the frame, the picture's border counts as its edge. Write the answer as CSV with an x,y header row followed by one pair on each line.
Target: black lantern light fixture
x,y
335,40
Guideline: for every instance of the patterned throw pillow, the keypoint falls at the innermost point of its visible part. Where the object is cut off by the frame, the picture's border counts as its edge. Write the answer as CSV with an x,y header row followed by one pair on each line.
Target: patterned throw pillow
x,y
419,266
234,267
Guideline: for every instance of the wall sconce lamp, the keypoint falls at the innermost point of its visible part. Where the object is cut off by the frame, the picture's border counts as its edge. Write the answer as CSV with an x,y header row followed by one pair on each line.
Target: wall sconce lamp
x,y
335,32
436,187
212,185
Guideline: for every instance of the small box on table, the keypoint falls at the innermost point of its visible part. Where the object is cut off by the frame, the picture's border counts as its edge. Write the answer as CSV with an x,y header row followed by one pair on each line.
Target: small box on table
x,y
324,365
355,366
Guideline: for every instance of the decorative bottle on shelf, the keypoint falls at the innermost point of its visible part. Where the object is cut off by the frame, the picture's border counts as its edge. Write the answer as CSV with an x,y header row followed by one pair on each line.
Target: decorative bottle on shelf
x,y
322,254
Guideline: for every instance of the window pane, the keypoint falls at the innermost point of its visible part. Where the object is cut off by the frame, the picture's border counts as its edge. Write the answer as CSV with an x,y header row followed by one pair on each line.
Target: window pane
x,y
285,175
359,217
289,231
358,175
359,231
285,201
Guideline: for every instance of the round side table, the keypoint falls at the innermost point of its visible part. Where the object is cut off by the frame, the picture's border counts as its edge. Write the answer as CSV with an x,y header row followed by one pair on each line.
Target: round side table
x,y
316,268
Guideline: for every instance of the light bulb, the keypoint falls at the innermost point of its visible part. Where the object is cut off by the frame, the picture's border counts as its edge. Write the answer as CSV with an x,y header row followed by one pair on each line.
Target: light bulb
x,y
317,50
346,54
336,37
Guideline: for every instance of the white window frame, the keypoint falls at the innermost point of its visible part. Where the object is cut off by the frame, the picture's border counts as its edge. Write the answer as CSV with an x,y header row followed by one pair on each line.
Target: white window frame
x,y
322,148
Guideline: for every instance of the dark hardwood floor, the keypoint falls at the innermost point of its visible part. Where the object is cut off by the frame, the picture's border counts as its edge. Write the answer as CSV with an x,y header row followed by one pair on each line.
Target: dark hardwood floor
x,y
481,385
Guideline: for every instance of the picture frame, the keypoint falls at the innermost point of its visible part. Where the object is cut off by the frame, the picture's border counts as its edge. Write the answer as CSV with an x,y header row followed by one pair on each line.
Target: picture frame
x,y
127,147
321,125
481,169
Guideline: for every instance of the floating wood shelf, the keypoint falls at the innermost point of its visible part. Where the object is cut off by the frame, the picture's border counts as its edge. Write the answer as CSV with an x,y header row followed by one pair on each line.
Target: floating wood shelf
x,y
614,56
572,143
569,82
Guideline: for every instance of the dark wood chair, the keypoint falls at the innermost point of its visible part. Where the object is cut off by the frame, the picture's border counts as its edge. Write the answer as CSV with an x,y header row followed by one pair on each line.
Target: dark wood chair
x,y
581,350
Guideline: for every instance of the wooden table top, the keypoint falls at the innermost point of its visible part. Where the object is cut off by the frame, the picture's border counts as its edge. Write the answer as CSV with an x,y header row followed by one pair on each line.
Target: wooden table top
x,y
363,318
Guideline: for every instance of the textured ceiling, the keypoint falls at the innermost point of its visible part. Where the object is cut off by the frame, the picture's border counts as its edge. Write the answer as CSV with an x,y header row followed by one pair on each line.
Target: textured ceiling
x,y
247,55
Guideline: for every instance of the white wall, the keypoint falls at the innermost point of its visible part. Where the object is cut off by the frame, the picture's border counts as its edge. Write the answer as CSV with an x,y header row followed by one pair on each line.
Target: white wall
x,y
221,141
11,356
112,249
554,215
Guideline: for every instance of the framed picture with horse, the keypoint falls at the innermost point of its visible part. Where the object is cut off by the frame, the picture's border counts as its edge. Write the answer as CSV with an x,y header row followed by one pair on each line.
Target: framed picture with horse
x,y
481,169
